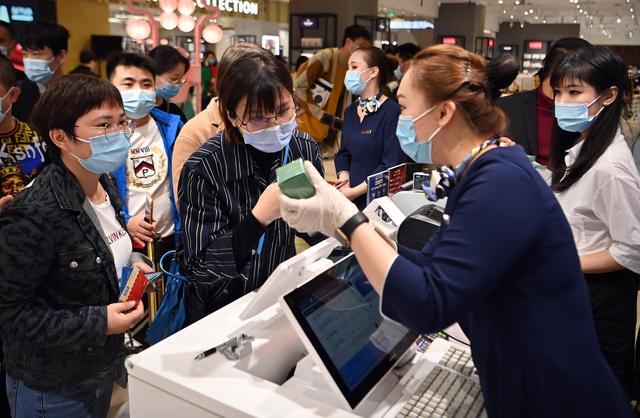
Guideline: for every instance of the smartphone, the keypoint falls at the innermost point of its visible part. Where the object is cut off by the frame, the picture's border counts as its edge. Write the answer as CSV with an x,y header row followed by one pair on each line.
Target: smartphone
x,y
148,209
418,179
294,181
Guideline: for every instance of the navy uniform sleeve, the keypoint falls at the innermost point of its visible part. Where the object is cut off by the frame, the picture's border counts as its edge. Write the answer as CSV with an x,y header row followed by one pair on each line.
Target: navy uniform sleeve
x,y
392,154
26,255
493,227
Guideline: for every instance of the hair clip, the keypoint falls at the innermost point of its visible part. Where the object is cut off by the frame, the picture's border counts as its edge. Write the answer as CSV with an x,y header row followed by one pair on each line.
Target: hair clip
x,y
467,72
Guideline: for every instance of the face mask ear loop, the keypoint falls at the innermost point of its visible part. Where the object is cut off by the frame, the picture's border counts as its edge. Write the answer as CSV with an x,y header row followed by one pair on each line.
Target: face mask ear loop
x,y
425,113
594,100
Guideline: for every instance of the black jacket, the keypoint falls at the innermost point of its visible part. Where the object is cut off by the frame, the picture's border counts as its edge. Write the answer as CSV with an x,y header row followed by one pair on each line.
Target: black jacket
x,y
520,109
81,69
57,275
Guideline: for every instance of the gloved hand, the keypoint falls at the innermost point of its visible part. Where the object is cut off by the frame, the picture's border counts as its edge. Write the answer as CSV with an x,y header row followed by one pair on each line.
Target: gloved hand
x,y
325,212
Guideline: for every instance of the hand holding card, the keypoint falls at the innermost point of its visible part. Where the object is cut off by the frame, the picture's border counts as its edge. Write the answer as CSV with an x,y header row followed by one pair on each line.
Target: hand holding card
x,y
134,283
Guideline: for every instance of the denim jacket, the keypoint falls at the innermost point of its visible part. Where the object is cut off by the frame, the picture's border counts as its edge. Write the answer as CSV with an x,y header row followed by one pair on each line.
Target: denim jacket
x,y
57,276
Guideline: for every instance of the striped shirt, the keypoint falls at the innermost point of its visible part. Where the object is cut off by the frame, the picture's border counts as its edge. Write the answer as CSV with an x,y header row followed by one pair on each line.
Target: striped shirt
x,y
219,186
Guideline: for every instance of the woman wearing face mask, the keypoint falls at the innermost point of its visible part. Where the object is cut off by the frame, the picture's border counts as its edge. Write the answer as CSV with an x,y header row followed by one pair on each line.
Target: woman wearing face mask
x,y
598,186
63,244
369,144
233,237
503,264
172,68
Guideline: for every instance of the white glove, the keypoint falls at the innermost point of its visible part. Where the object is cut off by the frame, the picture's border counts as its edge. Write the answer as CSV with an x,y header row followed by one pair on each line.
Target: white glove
x,y
325,212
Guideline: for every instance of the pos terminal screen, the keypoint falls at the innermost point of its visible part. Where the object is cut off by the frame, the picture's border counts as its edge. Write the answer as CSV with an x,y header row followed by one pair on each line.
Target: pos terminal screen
x,y
339,313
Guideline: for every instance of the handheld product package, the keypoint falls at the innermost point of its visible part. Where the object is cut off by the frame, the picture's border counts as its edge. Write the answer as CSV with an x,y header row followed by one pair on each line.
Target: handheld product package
x,y
294,181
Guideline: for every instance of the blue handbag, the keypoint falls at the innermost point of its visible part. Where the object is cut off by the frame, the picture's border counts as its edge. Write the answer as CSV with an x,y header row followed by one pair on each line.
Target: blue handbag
x,y
172,311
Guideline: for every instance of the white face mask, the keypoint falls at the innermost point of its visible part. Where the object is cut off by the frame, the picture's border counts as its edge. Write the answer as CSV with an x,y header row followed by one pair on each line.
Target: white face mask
x,y
4,51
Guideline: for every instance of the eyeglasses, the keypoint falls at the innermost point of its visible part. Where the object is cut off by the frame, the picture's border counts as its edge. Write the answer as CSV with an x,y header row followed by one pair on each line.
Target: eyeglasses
x,y
127,126
177,82
259,124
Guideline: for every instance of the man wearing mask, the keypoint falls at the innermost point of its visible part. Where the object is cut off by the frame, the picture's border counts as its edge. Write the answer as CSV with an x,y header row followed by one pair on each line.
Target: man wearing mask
x,y
8,43
530,113
172,68
314,94
44,50
22,154
147,171
404,54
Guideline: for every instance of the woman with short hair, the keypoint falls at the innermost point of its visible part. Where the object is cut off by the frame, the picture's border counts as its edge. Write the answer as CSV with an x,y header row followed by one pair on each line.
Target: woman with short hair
x,y
233,237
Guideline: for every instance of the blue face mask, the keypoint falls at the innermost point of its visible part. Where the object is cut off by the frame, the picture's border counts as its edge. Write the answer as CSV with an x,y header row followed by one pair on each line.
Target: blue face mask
x,y
37,70
398,73
419,152
353,83
272,139
168,90
575,117
108,152
138,103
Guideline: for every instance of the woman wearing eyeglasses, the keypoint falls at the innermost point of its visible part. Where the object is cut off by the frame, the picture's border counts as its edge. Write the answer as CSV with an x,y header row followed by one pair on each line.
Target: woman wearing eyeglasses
x,y
233,237
172,67
63,244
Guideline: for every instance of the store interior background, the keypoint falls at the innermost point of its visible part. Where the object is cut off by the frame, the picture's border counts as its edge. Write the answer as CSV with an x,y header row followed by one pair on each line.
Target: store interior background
x,y
485,27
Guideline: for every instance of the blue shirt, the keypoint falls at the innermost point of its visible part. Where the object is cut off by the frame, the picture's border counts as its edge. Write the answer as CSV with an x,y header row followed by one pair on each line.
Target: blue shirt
x,y
371,146
506,268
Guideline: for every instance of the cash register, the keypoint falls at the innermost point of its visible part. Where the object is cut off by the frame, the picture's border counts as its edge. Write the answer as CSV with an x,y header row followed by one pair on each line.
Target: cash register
x,y
318,346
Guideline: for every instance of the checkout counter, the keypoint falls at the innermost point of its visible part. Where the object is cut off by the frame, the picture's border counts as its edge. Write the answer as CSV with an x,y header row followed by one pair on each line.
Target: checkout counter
x,y
167,381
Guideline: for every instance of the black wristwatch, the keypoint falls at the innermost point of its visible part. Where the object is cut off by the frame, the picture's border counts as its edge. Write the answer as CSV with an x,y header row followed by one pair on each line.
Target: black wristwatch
x,y
343,234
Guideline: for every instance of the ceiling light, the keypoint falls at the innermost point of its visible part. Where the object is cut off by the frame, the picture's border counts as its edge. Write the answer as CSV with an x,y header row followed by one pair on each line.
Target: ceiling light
x,y
618,21
517,2
535,17
631,9
500,2
521,25
531,11
526,13
544,21
511,17
504,11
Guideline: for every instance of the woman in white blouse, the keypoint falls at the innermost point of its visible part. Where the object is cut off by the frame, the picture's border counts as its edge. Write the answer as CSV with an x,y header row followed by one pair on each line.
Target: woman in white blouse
x,y
598,186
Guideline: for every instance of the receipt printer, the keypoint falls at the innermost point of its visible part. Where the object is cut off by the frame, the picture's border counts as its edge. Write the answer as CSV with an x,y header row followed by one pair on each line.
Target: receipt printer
x,y
416,230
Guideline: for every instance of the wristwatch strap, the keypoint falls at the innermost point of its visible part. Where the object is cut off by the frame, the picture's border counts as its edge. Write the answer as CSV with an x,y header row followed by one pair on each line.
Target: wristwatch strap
x,y
343,234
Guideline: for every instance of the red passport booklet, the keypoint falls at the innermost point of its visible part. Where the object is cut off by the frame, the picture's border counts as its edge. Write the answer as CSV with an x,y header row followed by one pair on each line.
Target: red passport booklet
x,y
134,286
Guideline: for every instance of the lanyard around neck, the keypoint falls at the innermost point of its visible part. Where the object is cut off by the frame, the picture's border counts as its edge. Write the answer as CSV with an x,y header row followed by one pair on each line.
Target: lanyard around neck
x,y
285,160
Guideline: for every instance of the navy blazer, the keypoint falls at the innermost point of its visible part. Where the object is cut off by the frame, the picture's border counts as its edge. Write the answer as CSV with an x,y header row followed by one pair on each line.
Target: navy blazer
x,y
506,268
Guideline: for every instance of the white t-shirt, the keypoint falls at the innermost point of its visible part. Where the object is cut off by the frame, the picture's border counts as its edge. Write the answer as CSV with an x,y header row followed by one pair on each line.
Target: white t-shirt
x,y
117,236
603,207
148,172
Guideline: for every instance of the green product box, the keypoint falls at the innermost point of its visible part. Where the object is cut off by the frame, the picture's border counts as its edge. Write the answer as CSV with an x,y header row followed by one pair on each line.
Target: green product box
x,y
294,181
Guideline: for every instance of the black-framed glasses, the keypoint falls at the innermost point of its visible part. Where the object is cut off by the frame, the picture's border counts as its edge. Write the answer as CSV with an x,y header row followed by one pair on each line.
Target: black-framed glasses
x,y
128,126
261,123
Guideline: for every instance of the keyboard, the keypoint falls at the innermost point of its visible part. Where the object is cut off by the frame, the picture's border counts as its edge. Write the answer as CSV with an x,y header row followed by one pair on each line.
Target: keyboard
x,y
445,385
459,360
